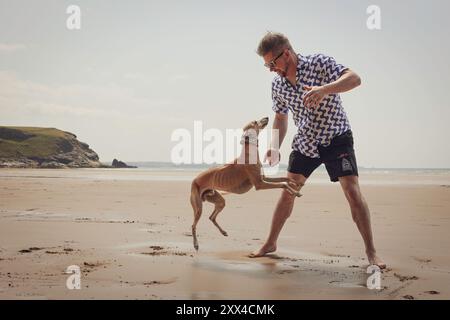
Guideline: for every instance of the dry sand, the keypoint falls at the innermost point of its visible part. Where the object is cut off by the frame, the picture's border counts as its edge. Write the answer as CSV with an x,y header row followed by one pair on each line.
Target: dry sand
x,y
131,239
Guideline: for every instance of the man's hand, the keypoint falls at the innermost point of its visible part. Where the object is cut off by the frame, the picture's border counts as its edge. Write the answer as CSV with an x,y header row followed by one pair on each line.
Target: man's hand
x,y
273,156
314,96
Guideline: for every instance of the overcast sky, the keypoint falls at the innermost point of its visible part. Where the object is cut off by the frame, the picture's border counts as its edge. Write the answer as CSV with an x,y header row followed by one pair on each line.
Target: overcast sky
x,y
138,70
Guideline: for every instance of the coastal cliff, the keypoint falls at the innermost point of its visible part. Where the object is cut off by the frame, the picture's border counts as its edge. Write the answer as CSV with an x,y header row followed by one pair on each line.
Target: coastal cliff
x,y
36,147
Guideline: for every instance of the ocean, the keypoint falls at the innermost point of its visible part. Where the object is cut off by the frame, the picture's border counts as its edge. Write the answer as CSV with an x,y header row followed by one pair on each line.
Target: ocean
x,y
165,171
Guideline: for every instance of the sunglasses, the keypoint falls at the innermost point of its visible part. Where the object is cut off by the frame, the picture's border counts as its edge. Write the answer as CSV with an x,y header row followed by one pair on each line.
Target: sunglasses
x,y
271,64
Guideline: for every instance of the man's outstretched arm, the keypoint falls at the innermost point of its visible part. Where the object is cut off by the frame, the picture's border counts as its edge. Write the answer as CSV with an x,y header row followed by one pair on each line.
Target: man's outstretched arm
x,y
346,82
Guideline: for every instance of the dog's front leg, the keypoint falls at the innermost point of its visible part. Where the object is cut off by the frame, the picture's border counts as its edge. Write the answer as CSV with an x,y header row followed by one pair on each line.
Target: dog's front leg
x,y
292,182
254,173
261,185
280,179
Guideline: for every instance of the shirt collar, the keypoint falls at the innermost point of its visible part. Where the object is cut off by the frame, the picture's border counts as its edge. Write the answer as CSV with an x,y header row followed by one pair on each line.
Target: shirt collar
x,y
301,60
300,64
300,67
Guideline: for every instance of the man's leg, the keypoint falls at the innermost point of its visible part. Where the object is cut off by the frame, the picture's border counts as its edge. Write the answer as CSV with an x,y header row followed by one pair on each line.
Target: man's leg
x,y
361,216
282,212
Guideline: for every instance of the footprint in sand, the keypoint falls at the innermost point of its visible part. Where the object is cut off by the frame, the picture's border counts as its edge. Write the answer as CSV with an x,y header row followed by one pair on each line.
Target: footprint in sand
x,y
30,250
432,292
65,251
93,264
405,278
285,271
155,282
335,255
423,260
160,251
90,266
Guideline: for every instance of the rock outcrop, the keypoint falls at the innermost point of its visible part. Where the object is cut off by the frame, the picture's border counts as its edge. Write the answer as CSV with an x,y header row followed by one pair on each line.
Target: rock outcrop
x,y
35,147
119,164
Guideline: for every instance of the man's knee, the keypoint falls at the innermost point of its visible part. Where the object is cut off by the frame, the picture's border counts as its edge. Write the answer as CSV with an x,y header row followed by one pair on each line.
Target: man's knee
x,y
353,196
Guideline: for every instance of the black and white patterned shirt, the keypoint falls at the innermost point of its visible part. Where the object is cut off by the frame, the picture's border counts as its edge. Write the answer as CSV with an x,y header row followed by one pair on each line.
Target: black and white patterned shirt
x,y
315,125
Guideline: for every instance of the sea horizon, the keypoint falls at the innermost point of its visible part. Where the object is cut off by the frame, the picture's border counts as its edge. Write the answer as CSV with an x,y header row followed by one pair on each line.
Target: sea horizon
x,y
167,164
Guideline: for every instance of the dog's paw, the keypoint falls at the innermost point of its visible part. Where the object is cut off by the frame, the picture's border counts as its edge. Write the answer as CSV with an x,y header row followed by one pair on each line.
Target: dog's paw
x,y
292,185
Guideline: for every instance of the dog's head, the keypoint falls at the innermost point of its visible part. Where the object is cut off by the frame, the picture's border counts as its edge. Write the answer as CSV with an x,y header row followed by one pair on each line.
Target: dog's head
x,y
252,129
256,126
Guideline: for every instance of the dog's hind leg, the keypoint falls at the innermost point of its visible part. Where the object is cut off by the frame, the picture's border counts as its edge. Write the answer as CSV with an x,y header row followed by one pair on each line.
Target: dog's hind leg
x,y
219,204
196,202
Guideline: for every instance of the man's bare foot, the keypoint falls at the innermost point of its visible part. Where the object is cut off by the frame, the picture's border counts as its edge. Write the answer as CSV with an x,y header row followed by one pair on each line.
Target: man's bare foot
x,y
263,251
374,259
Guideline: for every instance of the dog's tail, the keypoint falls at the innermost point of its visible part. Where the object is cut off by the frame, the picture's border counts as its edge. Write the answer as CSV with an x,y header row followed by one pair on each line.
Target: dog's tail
x,y
197,203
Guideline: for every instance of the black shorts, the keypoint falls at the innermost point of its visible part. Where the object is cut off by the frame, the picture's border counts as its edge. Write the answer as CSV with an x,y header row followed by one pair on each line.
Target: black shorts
x,y
339,159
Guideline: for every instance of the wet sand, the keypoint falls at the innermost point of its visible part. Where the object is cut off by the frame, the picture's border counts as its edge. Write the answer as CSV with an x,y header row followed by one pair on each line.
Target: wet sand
x,y
131,239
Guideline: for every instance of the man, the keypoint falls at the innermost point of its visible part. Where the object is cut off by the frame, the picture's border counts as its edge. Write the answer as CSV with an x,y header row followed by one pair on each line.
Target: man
x,y
309,87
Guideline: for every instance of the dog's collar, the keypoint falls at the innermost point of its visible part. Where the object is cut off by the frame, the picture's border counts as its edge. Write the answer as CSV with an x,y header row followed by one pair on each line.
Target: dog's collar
x,y
249,138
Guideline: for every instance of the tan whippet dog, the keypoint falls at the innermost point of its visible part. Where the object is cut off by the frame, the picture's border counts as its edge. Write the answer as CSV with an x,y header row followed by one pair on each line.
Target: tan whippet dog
x,y
236,177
